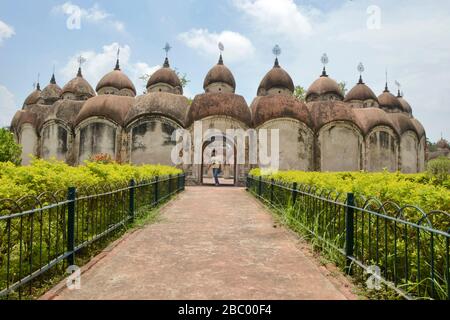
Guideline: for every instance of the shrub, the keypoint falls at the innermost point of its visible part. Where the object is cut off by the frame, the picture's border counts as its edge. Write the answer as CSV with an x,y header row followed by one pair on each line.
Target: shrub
x,y
439,169
10,151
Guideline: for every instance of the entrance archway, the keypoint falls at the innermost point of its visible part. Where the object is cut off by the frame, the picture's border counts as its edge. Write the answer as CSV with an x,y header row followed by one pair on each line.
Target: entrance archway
x,y
226,150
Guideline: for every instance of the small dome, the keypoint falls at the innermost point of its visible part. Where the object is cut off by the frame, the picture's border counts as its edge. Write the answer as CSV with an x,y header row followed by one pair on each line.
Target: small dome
x,y
443,144
276,78
271,107
219,74
79,87
389,102
404,123
33,97
326,111
167,76
360,92
116,79
405,105
52,92
111,107
322,86
369,118
222,104
173,106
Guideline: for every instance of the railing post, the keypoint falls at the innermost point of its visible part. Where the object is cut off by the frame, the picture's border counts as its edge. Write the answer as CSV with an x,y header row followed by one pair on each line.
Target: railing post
x,y
260,186
184,181
349,229
156,190
132,191
294,193
170,184
272,187
71,196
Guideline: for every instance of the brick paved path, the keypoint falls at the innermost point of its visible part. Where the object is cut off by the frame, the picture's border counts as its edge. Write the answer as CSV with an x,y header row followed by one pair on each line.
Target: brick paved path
x,y
211,243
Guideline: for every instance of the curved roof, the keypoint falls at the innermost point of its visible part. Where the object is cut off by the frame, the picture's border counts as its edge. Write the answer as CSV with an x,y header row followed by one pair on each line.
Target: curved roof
x,y
389,102
360,92
33,114
324,85
219,73
171,105
405,105
276,78
116,79
405,123
324,112
78,86
33,97
266,108
165,75
65,111
369,118
111,107
224,104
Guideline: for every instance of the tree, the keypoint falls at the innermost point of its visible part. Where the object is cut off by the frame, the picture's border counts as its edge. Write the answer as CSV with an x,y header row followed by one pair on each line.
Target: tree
x,y
342,86
300,93
9,149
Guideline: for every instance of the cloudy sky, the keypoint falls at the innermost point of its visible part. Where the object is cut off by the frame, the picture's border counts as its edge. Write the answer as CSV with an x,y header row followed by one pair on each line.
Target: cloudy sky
x,y
409,38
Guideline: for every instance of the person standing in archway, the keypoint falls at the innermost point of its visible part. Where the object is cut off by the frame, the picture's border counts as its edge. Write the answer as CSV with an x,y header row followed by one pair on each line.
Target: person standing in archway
x,y
216,165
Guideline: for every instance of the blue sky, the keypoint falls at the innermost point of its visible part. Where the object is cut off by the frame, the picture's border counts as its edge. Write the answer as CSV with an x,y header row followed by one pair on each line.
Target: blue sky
x,y
409,38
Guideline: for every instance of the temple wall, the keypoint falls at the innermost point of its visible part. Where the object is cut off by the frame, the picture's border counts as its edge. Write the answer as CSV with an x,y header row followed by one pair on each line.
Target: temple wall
x,y
340,147
29,141
55,141
381,150
409,152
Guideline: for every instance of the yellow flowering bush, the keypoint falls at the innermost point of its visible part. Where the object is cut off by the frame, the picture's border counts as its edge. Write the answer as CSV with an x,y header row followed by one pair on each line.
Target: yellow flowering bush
x,y
51,176
404,189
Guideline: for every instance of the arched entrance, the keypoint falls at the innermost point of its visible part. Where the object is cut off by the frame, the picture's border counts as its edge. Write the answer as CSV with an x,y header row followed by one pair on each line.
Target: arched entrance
x,y
226,150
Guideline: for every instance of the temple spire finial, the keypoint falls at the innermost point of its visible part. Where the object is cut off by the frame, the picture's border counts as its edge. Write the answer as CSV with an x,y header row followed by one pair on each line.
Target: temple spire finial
x,y
399,95
118,60
81,60
360,70
277,52
167,48
38,85
53,79
386,88
324,59
221,49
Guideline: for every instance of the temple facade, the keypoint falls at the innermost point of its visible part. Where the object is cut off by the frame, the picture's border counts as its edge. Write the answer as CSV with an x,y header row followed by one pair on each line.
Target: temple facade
x,y
326,132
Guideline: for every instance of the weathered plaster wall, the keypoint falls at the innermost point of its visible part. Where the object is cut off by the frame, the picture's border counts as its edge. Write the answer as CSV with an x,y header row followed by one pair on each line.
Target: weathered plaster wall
x,y
151,141
409,152
296,143
29,142
340,147
96,136
382,150
55,141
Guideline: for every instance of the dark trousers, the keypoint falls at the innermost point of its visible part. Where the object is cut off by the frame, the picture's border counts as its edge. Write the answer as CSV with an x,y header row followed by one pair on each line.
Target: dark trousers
x,y
216,173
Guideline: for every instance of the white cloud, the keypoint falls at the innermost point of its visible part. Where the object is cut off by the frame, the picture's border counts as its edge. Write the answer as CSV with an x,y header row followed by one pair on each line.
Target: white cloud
x,y
237,47
281,17
92,15
100,63
6,31
7,106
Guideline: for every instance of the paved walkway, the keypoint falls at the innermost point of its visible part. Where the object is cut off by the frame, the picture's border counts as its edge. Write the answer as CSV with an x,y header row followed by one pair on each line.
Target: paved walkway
x,y
211,243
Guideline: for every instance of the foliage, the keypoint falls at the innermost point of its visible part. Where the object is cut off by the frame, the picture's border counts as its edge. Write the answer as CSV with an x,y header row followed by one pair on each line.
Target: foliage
x,y
419,190
9,149
51,176
182,76
300,93
439,169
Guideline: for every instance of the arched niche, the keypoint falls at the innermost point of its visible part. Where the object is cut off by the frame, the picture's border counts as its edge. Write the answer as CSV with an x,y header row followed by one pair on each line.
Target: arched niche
x,y
207,127
29,141
150,140
382,150
296,143
55,140
340,147
97,136
409,146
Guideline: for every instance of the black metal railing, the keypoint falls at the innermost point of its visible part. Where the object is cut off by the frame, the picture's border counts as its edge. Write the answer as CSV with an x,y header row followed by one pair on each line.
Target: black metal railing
x,y
41,236
402,248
